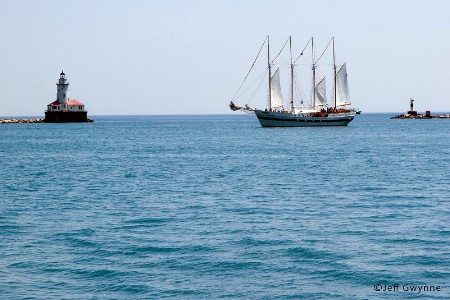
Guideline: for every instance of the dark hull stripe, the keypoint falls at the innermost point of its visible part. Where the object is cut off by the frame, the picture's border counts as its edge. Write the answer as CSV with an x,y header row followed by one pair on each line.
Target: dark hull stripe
x,y
305,120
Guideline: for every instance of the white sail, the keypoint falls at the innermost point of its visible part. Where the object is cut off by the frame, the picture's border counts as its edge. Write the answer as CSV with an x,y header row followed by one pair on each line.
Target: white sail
x,y
342,93
321,93
276,98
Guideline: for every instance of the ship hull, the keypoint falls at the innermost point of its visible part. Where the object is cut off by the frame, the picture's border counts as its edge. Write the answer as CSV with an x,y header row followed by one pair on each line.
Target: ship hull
x,y
282,119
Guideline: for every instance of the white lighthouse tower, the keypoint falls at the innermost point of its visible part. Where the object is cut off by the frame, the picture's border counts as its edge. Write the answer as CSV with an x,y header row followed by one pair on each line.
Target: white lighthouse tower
x,y
62,91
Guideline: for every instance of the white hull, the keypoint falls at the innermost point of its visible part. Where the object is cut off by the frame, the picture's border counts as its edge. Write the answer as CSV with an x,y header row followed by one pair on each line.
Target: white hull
x,y
283,119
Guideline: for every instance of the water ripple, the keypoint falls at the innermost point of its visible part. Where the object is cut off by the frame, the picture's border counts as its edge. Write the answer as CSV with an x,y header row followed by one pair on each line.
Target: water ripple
x,y
208,207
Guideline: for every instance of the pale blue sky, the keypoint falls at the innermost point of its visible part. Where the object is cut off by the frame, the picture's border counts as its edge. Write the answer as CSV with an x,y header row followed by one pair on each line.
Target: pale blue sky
x,y
189,57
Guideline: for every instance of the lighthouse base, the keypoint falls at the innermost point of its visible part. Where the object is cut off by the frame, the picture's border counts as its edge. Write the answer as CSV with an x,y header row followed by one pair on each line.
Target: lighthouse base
x,y
65,116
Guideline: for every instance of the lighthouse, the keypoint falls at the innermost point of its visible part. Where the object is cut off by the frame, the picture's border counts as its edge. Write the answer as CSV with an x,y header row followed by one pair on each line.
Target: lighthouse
x,y
412,112
64,109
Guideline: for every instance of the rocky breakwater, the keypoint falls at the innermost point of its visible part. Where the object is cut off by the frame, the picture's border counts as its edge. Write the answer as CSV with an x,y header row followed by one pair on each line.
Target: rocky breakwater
x,y
420,116
27,121
20,121
412,114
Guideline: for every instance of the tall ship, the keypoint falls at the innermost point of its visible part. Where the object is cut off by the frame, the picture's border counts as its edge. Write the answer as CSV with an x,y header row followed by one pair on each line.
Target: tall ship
x,y
318,112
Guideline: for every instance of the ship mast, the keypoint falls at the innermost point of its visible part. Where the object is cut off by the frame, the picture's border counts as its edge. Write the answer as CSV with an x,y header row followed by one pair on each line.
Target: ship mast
x,y
334,67
292,76
270,74
314,73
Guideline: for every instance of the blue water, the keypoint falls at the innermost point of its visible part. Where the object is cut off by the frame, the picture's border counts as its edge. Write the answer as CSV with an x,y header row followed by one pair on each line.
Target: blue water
x,y
207,207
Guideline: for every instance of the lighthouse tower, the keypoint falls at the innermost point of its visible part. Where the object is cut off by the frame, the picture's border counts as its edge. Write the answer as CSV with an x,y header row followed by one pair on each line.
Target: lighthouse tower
x,y
64,109
62,91
412,112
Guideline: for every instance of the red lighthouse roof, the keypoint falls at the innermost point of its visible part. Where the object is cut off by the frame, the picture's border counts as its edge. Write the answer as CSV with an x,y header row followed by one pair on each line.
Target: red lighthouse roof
x,y
75,102
71,103
55,103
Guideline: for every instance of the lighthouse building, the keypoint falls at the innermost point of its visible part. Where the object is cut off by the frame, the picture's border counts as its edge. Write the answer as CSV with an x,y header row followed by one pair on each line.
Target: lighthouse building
x,y
64,109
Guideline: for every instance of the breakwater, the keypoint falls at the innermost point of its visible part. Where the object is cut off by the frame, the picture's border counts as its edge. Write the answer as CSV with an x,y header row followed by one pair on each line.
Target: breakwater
x,y
27,121
20,121
420,116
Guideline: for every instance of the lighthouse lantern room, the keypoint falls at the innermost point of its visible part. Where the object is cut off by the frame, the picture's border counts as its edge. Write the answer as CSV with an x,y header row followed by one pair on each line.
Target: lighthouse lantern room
x,y
64,109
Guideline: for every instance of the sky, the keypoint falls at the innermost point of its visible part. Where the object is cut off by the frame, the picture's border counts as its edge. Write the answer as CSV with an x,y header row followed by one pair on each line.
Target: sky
x,y
190,57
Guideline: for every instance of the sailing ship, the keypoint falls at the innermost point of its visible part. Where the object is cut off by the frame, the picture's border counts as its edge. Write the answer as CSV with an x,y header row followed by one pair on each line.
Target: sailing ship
x,y
320,113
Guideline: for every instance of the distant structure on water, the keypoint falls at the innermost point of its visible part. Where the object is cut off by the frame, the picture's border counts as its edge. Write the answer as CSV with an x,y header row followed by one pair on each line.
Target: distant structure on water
x,y
412,114
64,109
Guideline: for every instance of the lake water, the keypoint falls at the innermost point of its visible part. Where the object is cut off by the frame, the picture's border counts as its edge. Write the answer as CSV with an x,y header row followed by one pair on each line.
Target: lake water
x,y
214,206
